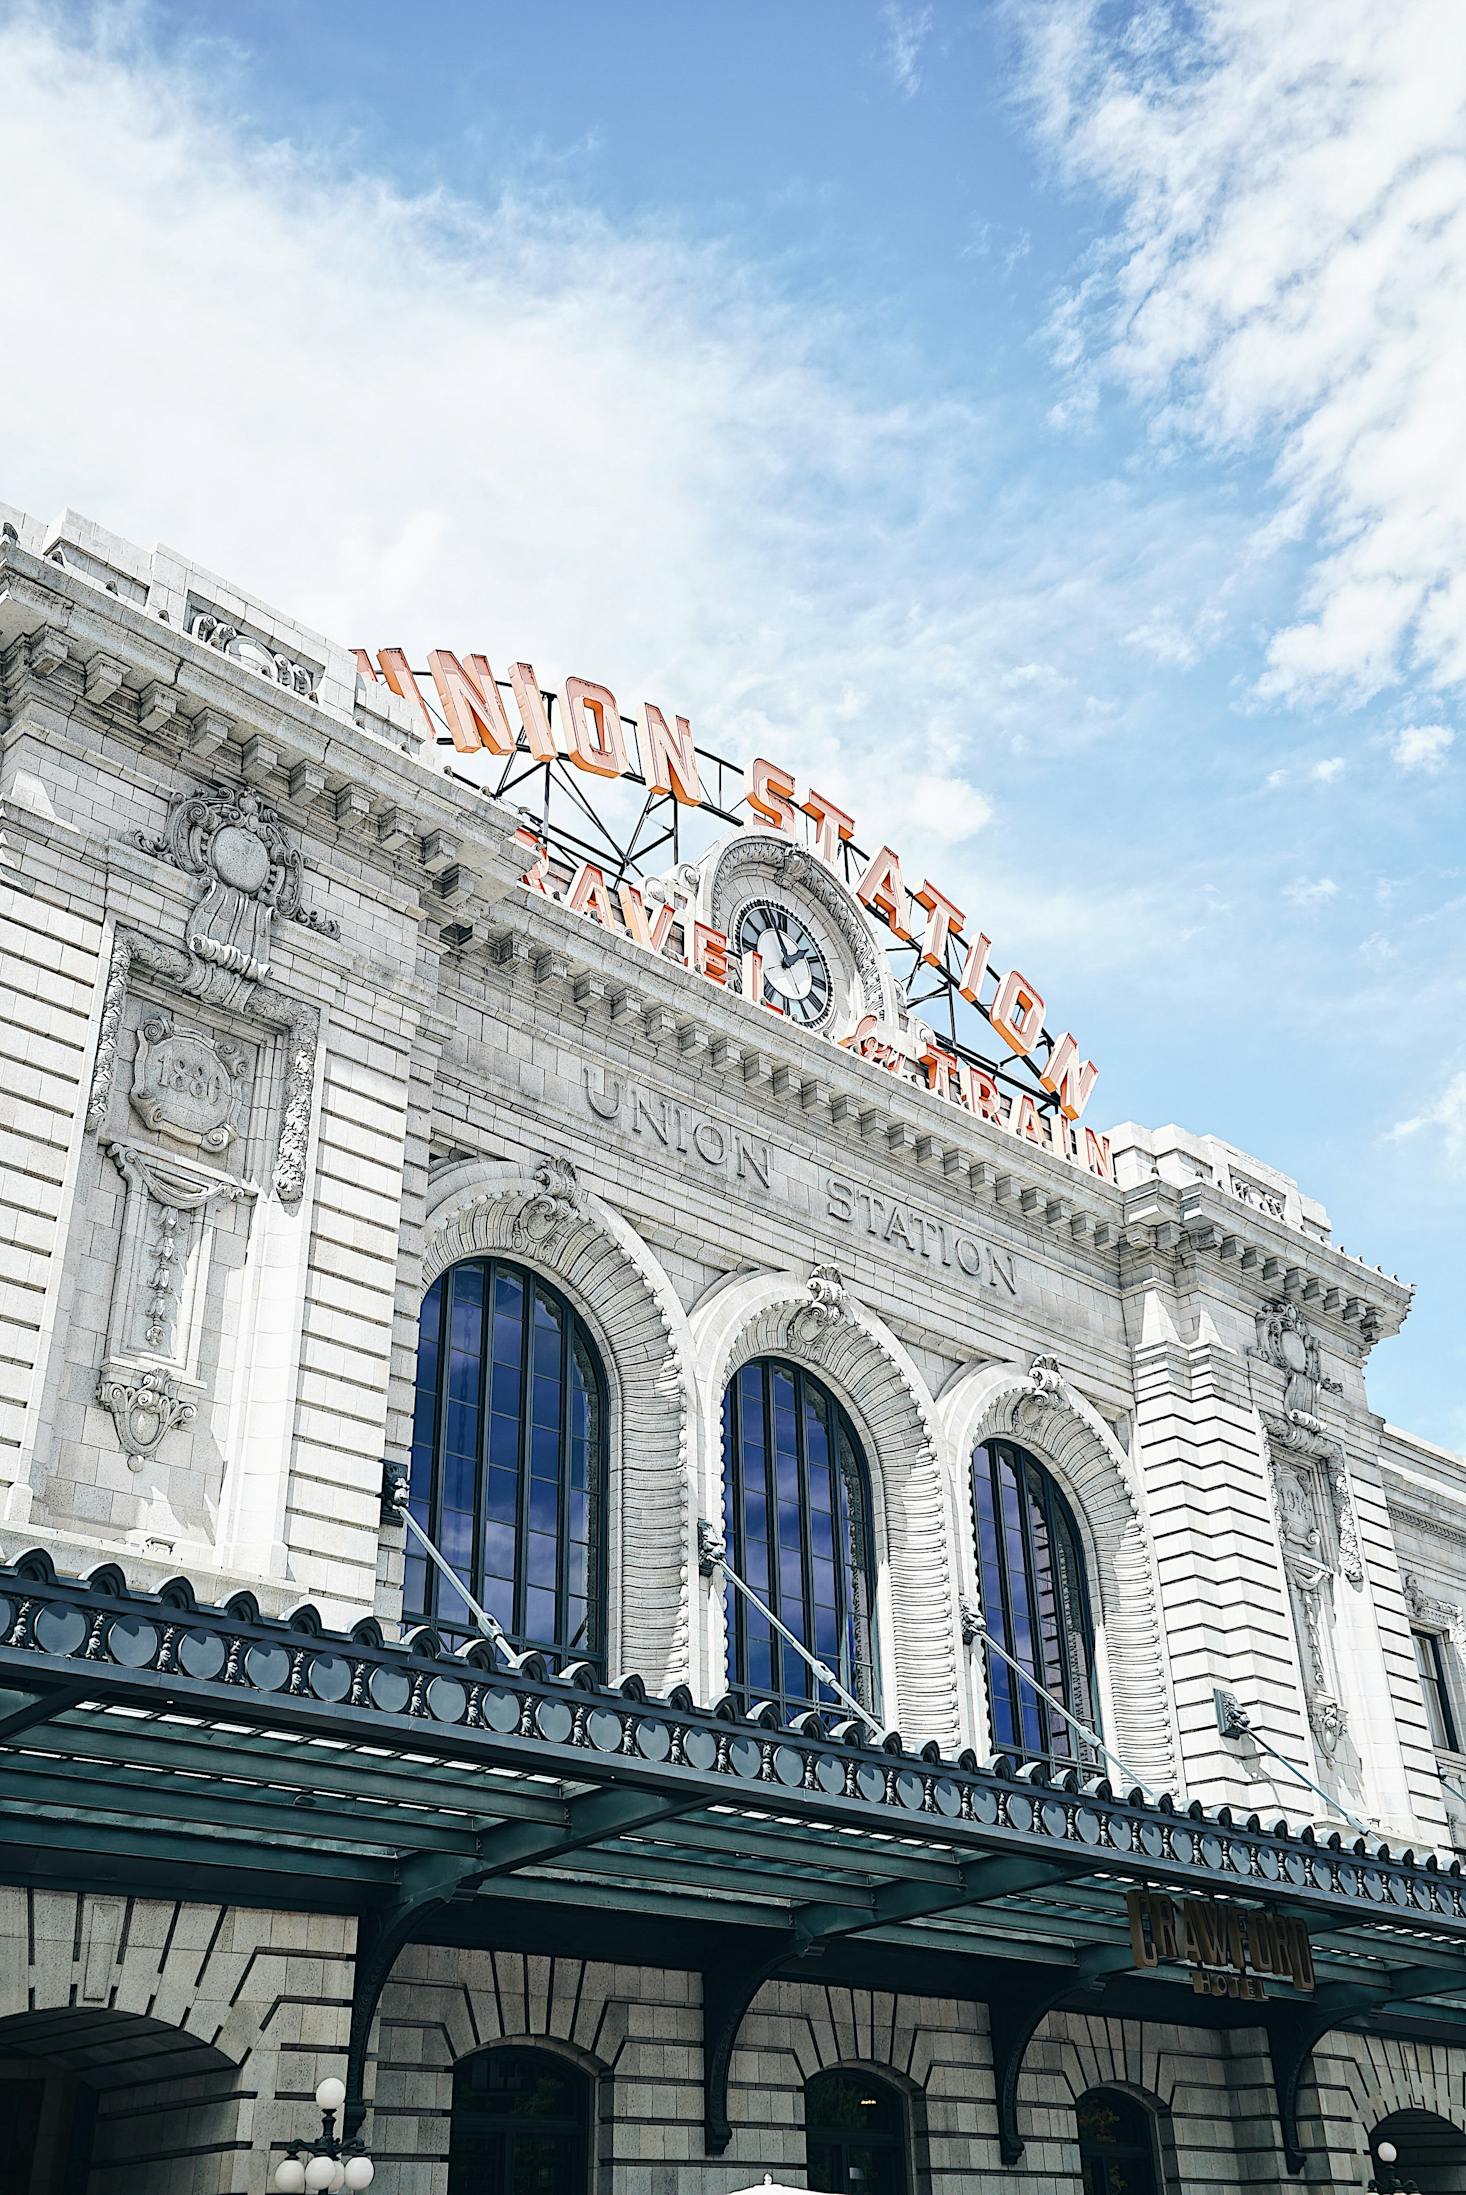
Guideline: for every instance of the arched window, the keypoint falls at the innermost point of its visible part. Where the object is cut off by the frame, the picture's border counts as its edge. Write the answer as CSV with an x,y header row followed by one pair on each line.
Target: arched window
x,y
509,1460
1035,1602
855,2135
521,2124
797,1521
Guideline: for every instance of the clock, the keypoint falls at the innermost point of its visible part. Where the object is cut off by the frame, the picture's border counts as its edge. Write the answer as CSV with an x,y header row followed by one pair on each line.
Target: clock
x,y
796,972
821,964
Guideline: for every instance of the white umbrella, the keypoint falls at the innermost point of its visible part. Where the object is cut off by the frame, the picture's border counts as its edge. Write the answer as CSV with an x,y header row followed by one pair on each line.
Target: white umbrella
x,y
770,2186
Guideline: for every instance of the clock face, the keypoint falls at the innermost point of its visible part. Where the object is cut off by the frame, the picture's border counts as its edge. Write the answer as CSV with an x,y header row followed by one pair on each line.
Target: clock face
x,y
796,973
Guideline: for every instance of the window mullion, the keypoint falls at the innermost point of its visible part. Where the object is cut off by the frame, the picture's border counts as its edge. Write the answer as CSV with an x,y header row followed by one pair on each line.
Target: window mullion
x,y
526,1424
806,1627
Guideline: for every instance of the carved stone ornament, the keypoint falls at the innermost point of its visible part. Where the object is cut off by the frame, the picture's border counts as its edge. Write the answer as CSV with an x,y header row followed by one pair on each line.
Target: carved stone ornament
x,y
1257,1195
1044,1375
256,654
1435,1614
299,1023
234,843
156,1315
554,1204
712,1548
828,1306
969,1616
1307,1497
1285,1340
145,1407
186,1084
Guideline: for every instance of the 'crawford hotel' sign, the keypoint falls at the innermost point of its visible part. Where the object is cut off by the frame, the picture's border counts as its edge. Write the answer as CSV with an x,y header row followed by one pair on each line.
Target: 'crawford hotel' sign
x,y
587,731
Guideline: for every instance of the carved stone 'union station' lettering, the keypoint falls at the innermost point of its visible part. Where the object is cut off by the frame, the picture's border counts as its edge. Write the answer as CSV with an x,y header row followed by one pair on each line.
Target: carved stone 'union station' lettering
x,y
902,1225
668,1126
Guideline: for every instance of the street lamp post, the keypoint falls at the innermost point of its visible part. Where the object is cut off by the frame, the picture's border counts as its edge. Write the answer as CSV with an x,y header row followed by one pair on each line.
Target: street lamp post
x,y
327,2163
1386,2181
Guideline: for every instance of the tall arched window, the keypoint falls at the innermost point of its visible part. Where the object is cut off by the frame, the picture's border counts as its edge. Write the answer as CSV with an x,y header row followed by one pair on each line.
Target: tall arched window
x,y
1035,1602
797,1522
1118,2150
521,2124
855,2135
509,1460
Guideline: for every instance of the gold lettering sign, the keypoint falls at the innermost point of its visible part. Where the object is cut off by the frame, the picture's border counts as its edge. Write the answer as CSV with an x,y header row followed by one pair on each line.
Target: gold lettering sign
x,y
1230,1950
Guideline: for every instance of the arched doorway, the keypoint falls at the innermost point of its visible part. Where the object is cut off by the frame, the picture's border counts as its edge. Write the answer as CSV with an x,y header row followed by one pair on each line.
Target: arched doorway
x,y
1118,2146
855,2134
1432,2152
521,2123
91,2097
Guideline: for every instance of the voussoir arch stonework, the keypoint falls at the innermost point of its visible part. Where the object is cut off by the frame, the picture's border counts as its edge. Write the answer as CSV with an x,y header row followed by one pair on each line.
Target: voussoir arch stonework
x,y
542,1216
818,1324
1040,1411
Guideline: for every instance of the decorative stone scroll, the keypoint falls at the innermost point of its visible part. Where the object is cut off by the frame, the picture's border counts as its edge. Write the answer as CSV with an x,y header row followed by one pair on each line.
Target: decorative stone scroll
x,y
250,872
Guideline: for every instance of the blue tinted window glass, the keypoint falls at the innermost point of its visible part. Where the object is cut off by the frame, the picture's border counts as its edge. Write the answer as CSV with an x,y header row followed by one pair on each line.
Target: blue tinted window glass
x,y
486,1485
821,1584
1035,1603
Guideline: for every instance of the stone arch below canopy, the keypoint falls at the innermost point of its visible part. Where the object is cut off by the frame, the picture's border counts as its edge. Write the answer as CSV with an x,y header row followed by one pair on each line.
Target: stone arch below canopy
x,y
818,1325
543,1217
1040,1411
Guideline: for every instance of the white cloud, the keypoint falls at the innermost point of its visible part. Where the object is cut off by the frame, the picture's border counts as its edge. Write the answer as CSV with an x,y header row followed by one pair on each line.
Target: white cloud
x,y
521,428
1275,779
1447,1116
1287,274
1315,892
1324,773
907,31
1423,747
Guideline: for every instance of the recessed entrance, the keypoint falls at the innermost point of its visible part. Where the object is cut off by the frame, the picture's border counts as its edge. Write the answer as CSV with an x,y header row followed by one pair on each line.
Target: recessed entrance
x,y
1432,2152
83,2104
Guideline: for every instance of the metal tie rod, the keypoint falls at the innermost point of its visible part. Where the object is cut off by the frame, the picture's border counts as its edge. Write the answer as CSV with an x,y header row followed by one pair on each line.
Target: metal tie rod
x,y
719,1561
1234,1721
489,1625
1059,1708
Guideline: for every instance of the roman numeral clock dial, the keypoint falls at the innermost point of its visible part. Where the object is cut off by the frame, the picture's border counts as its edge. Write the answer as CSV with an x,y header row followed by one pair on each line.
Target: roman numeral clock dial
x,y
796,973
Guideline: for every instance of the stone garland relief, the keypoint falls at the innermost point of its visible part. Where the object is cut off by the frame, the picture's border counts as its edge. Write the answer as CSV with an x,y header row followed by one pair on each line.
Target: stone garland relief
x,y
1317,1530
156,1320
192,1086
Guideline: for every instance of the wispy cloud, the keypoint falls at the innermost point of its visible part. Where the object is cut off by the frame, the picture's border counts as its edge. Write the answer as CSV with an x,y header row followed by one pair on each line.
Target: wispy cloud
x,y
1312,892
1327,771
523,427
1423,747
1287,274
907,31
1446,1117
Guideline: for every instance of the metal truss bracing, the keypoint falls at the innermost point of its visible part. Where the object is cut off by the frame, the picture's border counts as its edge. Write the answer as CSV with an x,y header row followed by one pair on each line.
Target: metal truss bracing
x,y
633,833
145,1740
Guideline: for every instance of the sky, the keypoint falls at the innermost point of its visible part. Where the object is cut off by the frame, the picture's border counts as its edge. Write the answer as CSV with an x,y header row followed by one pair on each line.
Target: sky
x,y
1040,421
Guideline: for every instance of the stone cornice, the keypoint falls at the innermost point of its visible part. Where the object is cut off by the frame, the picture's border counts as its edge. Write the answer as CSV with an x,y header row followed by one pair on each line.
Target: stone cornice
x,y
802,1078
1263,1257
107,663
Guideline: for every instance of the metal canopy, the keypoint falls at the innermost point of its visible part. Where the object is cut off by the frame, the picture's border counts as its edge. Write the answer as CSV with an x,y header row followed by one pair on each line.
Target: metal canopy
x,y
217,1754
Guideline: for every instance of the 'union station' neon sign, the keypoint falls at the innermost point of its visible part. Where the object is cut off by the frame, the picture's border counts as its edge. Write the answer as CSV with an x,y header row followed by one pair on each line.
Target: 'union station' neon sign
x,y
589,734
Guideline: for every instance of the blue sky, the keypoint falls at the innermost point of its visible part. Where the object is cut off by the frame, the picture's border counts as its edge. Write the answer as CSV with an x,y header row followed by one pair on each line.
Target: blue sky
x,y
1063,395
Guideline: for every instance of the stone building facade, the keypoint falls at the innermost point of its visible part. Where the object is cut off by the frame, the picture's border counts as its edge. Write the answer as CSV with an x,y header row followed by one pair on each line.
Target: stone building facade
x,y
289,1044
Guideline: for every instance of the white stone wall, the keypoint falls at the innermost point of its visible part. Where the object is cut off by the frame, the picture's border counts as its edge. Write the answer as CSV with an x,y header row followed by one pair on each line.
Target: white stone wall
x,y
425,1037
